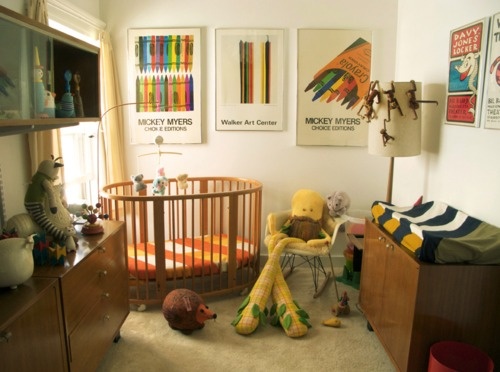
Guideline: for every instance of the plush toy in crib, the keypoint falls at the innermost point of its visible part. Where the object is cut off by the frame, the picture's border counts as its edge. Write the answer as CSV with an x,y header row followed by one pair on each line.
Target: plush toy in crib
x,y
182,181
160,182
45,204
185,311
138,182
338,203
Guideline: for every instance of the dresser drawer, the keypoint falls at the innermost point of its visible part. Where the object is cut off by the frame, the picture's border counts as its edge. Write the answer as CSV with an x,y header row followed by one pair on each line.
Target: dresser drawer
x,y
91,338
83,286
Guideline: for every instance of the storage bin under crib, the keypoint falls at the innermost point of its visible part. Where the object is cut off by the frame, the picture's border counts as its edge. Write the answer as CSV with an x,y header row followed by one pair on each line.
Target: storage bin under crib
x,y
205,237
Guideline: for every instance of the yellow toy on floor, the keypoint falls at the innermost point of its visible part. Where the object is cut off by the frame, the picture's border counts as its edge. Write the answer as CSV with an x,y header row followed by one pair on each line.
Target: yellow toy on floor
x,y
304,226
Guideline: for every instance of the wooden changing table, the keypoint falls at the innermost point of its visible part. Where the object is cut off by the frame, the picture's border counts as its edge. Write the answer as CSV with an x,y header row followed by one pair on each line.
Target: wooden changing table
x,y
411,304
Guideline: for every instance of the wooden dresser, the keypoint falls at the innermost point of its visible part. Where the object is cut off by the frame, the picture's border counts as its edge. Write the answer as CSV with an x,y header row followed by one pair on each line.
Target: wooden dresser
x,y
31,327
94,295
411,304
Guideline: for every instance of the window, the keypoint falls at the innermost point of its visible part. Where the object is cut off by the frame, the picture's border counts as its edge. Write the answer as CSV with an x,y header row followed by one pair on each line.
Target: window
x,y
79,153
79,143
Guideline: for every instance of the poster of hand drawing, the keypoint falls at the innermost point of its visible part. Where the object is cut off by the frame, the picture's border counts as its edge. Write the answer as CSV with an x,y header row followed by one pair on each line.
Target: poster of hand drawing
x,y
467,56
492,81
249,79
333,78
164,85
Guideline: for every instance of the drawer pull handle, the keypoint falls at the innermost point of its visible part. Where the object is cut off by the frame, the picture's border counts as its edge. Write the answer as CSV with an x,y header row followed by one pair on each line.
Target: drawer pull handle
x,y
107,317
102,249
5,336
381,239
105,295
103,273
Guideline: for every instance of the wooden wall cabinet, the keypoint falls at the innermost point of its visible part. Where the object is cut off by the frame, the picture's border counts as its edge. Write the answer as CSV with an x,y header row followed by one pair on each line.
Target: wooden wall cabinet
x,y
26,44
31,327
411,304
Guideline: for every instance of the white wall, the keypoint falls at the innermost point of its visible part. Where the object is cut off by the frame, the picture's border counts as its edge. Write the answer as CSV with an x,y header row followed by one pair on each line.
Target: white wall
x,y
458,165
271,157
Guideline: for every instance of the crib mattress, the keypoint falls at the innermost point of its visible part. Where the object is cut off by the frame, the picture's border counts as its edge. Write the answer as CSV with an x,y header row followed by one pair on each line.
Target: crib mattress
x,y
188,257
437,232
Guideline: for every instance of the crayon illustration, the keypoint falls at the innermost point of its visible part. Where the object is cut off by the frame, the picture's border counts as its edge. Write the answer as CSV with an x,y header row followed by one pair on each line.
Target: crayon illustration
x,y
346,78
164,81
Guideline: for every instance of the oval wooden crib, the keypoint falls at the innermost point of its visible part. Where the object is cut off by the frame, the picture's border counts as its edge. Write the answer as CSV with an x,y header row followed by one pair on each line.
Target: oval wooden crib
x,y
205,237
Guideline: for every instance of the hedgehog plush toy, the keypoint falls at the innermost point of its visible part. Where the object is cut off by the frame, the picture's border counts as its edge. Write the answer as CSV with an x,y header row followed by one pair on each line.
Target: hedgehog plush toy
x,y
185,311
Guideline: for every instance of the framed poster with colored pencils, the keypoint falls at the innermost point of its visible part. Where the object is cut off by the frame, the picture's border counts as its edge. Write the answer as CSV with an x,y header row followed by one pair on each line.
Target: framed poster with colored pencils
x,y
249,74
333,77
164,85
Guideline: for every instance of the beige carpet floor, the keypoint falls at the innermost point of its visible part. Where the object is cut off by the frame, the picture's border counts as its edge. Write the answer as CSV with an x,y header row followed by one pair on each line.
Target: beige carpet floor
x,y
148,344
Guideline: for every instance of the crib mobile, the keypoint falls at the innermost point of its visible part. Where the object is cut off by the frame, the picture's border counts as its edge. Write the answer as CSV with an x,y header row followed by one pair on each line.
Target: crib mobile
x,y
160,181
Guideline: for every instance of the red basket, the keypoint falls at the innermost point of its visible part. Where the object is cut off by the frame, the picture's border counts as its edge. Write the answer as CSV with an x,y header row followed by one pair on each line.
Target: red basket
x,y
450,356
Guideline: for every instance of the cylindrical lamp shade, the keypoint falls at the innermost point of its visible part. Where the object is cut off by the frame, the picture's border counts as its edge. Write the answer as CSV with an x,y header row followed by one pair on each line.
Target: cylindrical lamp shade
x,y
395,128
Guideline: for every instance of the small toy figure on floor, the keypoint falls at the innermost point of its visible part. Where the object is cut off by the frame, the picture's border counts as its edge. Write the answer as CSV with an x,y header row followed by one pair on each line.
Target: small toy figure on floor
x,y
160,182
342,307
185,311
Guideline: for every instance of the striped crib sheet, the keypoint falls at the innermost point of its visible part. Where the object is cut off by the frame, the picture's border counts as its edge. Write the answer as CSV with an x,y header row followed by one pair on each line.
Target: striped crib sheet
x,y
187,257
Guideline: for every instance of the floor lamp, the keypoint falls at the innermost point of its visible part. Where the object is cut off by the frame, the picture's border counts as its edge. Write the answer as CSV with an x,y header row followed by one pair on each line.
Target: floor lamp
x,y
394,119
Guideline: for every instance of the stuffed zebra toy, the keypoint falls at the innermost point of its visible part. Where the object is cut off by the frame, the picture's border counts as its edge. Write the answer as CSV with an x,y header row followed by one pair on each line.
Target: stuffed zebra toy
x,y
44,203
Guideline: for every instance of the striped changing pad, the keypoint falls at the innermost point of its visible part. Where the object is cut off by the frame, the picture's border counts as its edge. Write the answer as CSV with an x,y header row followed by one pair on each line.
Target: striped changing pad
x,y
438,233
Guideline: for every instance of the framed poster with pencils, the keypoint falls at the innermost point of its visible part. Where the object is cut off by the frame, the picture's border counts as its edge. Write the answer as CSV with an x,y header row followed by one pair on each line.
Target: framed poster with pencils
x,y
164,85
249,74
333,77
466,70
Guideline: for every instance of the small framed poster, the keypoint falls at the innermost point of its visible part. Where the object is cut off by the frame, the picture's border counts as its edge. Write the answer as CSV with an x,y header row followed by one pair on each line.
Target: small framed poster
x,y
249,79
492,78
467,58
164,85
333,77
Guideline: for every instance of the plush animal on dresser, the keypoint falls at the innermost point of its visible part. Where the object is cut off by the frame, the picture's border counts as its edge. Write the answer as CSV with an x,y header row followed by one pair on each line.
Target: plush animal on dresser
x,y
185,310
45,204
338,203
160,182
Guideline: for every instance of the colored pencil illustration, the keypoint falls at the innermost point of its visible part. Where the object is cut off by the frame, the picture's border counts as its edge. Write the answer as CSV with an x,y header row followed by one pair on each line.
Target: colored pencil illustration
x,y
248,74
164,81
335,82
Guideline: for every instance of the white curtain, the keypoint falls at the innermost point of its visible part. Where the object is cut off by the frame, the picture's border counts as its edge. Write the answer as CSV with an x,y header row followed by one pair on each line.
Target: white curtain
x,y
42,144
111,136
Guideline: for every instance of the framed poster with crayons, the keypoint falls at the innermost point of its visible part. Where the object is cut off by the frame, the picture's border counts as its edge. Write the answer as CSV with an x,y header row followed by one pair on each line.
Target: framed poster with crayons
x,y
333,78
164,85
249,76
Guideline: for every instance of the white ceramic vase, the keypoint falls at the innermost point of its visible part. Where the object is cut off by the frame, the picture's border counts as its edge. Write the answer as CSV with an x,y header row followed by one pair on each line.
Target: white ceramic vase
x,y
16,261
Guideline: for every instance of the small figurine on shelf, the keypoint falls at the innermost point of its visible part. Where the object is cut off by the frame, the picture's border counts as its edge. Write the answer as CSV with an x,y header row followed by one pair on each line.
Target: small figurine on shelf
x,y
66,107
78,98
91,215
38,86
